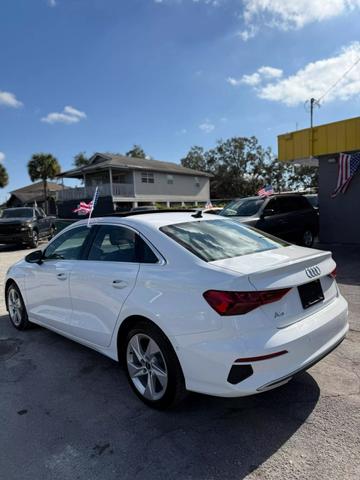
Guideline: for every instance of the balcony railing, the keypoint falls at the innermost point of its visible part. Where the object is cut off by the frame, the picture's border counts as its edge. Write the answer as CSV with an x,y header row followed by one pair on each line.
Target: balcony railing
x,y
83,193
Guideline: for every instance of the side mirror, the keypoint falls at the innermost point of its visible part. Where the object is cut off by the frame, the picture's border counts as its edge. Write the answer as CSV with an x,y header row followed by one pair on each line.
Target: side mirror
x,y
35,257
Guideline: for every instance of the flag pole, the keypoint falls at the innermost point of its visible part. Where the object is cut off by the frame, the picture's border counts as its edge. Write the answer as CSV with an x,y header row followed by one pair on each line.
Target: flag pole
x,y
92,205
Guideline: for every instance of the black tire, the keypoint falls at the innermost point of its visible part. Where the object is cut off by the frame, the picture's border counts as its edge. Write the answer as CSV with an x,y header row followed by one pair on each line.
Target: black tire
x,y
14,301
34,242
307,238
175,391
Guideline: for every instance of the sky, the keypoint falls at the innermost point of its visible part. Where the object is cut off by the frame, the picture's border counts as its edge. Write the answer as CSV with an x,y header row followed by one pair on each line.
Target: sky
x,y
101,75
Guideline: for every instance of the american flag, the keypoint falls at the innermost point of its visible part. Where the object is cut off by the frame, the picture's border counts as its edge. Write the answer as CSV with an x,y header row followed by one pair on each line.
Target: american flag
x,y
265,191
83,208
87,208
348,166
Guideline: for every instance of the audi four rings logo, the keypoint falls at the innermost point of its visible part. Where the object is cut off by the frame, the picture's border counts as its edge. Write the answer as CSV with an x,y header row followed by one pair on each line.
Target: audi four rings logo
x,y
313,272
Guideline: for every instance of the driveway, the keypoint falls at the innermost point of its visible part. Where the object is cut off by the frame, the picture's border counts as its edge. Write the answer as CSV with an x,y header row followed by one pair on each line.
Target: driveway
x,y
67,412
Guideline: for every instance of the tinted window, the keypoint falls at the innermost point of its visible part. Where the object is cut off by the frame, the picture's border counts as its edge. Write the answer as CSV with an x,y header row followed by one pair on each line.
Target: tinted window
x,y
245,207
68,246
120,244
18,213
218,239
313,199
292,204
272,205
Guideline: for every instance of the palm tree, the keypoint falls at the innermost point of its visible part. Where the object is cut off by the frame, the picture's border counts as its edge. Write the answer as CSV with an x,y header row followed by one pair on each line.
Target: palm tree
x,y
4,177
81,160
43,166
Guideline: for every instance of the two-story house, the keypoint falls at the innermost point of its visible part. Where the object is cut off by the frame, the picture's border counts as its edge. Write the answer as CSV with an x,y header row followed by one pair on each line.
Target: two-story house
x,y
126,182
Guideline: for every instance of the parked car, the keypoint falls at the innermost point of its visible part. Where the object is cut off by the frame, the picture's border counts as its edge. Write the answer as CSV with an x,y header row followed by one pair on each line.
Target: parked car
x,y
184,301
25,225
288,216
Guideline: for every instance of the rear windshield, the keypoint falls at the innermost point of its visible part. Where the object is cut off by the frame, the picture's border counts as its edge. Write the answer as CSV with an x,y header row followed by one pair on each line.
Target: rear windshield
x,y
18,213
218,239
245,207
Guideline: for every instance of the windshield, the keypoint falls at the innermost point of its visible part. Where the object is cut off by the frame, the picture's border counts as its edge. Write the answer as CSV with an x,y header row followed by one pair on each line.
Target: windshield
x,y
18,213
245,207
218,239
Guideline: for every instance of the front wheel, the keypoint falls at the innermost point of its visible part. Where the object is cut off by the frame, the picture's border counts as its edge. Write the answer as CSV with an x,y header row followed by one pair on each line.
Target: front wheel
x,y
52,233
16,308
152,367
34,239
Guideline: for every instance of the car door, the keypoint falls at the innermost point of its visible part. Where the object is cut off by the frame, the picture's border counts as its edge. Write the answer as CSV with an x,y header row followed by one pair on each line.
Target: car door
x,y
100,284
270,218
47,284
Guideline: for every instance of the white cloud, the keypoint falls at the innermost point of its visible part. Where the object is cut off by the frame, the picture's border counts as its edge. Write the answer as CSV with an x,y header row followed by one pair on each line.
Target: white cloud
x,y
9,100
2,157
207,127
69,115
261,74
52,3
291,14
314,79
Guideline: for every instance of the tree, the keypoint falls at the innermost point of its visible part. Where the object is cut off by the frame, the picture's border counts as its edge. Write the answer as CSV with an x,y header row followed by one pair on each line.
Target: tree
x,y
4,177
43,166
195,159
240,166
304,176
81,160
137,152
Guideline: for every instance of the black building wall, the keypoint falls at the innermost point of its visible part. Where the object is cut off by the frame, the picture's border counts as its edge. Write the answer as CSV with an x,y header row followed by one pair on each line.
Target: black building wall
x,y
340,216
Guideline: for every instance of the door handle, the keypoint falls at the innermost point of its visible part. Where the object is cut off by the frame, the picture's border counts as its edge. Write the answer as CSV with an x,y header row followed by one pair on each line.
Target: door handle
x,y
62,276
119,284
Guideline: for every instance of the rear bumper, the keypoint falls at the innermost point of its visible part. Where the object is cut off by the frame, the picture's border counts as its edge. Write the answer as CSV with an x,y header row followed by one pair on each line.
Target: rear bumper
x,y
207,359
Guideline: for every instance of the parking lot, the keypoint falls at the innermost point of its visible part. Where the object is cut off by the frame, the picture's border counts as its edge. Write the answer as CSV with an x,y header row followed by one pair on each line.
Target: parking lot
x,y
66,412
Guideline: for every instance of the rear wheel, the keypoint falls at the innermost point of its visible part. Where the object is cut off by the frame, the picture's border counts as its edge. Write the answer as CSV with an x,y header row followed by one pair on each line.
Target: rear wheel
x,y
16,307
152,367
307,237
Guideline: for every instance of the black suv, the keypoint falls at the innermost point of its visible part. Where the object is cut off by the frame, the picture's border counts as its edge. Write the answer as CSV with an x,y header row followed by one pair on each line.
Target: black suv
x,y
289,216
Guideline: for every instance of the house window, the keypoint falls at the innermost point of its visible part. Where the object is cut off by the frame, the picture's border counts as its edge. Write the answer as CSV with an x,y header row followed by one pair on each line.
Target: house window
x,y
170,179
147,177
197,181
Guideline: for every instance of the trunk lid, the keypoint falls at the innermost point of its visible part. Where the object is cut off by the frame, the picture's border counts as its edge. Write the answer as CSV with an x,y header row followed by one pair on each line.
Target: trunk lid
x,y
287,267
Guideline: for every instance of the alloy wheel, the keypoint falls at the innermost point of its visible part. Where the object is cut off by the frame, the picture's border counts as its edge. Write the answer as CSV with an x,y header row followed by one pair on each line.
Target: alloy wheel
x,y
147,367
15,306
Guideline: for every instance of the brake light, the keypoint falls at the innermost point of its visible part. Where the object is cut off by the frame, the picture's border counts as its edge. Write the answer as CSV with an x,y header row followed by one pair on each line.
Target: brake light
x,y
239,303
333,273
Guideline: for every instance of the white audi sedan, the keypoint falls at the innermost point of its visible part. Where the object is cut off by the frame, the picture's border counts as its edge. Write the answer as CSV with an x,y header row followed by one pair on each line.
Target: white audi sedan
x,y
186,302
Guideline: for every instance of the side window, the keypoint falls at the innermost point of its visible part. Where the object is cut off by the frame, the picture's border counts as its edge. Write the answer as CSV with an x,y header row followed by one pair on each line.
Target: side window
x,y
120,244
272,205
67,246
287,204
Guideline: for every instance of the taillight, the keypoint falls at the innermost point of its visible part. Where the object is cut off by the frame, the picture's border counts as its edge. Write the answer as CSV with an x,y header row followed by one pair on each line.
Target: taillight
x,y
333,273
239,303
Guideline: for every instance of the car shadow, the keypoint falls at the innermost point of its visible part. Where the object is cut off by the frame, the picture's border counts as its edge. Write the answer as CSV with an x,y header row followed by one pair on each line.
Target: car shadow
x,y
347,258
76,397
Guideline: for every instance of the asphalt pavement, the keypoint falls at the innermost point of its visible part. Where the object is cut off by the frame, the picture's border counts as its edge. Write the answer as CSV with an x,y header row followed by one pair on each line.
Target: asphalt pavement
x,y
66,412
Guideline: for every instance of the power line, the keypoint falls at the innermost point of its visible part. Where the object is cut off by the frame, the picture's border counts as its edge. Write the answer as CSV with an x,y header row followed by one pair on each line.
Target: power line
x,y
338,80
